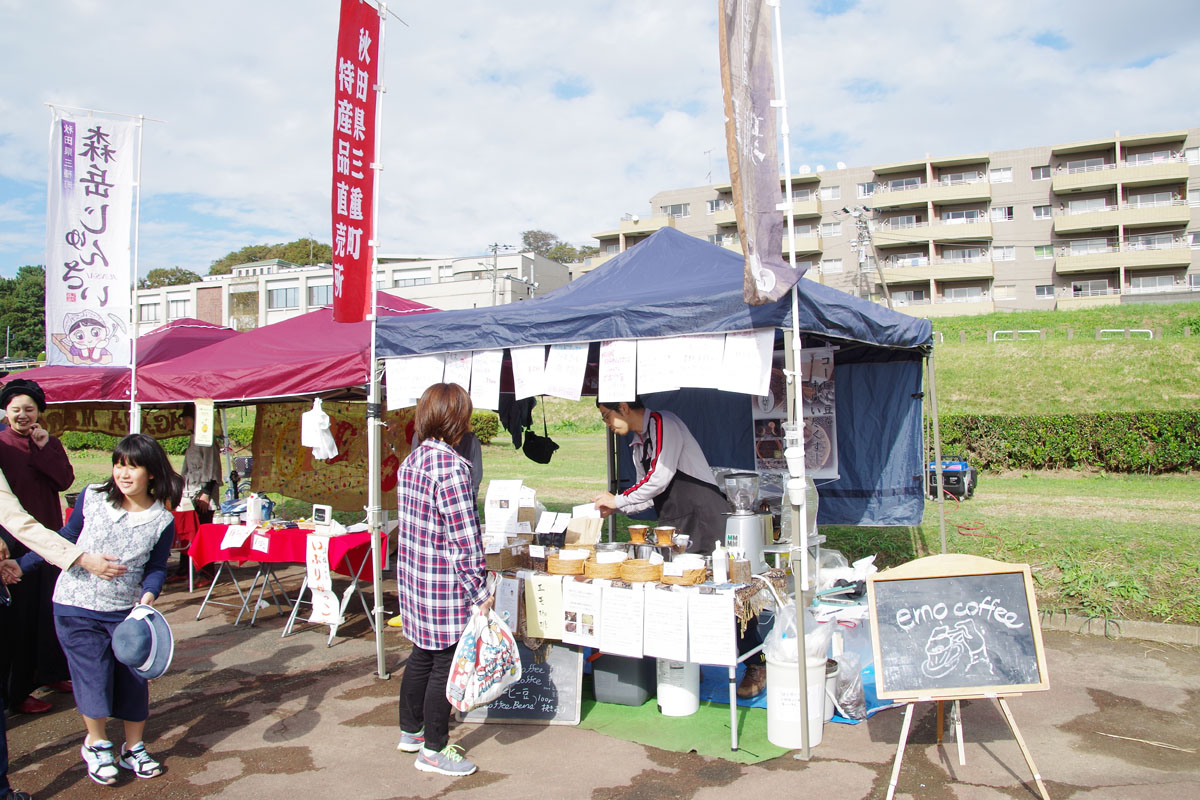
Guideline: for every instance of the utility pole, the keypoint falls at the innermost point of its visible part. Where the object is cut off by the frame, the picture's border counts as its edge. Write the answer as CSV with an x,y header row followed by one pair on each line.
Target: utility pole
x,y
496,248
865,249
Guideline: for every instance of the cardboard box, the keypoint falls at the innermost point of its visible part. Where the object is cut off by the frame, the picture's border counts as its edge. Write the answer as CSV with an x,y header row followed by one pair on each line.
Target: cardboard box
x,y
510,557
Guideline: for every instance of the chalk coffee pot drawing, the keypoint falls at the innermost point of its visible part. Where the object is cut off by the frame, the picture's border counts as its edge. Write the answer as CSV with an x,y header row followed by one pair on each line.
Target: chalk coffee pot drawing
x,y
745,530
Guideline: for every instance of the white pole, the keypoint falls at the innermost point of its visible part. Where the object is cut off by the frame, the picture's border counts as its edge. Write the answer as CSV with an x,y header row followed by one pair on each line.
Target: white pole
x,y
797,412
374,419
135,417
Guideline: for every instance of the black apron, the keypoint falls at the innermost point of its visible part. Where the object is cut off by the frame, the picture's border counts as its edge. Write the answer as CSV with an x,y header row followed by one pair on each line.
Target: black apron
x,y
694,508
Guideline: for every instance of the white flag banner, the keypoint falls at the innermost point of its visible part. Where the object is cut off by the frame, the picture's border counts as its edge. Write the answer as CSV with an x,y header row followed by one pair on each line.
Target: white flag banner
x,y
89,214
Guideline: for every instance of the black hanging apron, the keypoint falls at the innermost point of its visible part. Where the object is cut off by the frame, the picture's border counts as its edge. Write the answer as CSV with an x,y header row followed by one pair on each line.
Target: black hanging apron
x,y
694,508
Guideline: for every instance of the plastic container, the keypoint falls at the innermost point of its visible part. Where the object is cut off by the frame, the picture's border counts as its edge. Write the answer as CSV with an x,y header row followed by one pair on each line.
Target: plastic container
x,y
678,688
623,681
783,703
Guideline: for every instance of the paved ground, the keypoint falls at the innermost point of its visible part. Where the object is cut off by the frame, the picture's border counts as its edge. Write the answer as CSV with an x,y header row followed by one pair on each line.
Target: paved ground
x,y
245,714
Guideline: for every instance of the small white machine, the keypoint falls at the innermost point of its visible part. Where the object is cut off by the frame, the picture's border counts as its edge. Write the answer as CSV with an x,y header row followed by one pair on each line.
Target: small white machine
x,y
745,530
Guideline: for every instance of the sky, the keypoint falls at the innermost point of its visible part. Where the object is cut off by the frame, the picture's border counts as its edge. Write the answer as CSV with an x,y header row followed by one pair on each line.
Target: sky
x,y
543,114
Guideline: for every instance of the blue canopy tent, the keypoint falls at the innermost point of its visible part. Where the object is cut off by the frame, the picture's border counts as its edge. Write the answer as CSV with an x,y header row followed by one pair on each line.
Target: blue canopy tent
x,y
673,284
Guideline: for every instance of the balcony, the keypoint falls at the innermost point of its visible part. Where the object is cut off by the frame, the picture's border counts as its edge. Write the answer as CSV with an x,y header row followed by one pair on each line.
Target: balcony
x,y
725,216
804,244
807,208
885,235
944,308
938,270
1106,176
1173,212
947,231
1129,255
637,226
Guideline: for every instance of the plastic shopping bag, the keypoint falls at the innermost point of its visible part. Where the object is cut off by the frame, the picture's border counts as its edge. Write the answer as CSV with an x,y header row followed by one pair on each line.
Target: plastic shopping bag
x,y
486,662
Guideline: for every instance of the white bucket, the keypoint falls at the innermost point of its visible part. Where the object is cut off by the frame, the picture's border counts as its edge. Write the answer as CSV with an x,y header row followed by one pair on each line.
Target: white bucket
x,y
783,703
678,688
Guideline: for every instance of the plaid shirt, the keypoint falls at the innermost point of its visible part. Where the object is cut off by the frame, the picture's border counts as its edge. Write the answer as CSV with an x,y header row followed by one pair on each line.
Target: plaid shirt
x,y
440,569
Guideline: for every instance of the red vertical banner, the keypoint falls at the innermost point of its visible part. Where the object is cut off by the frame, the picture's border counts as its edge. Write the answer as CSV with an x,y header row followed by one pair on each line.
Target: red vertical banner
x,y
354,151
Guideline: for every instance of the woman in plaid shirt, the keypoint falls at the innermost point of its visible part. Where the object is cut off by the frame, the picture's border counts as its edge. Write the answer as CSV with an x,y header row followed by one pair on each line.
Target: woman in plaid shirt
x,y
440,573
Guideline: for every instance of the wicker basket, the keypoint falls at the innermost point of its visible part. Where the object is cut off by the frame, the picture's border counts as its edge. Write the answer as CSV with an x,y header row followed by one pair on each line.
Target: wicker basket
x,y
690,577
594,569
564,566
640,569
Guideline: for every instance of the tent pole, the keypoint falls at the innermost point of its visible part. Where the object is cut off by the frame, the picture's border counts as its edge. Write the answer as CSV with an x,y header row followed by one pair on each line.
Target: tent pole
x,y
937,449
135,414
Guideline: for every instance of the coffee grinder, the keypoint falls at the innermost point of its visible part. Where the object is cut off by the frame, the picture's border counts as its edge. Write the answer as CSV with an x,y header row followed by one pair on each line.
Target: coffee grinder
x,y
745,529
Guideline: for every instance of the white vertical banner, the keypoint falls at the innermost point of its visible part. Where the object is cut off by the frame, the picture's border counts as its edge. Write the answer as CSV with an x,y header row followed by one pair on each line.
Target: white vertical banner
x,y
89,212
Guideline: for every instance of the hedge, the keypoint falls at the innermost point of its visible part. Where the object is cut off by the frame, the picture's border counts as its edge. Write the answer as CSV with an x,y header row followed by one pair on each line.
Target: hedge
x,y
1149,442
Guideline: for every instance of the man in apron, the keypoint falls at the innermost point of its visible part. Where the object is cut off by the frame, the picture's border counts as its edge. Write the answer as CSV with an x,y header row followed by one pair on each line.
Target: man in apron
x,y
674,477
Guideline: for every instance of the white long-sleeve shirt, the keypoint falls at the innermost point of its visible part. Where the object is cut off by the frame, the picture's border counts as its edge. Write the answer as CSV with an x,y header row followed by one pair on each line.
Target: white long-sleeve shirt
x,y
671,448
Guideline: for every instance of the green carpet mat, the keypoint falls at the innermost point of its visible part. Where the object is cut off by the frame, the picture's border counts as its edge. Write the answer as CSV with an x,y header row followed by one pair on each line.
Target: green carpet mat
x,y
706,732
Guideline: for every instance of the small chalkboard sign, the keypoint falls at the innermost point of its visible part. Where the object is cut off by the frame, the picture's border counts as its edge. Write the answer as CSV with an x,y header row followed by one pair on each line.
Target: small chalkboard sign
x,y
549,692
955,626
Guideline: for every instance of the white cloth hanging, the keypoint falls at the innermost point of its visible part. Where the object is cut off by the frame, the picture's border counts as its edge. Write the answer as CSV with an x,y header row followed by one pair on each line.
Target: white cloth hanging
x,y
314,432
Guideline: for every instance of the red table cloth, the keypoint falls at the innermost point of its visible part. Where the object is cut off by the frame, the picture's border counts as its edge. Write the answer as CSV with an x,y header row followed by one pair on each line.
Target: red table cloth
x,y
287,546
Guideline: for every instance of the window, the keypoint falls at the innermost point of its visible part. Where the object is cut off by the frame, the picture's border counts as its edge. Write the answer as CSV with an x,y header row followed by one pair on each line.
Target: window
x,y
1150,241
962,294
283,298
1194,239
1192,154
1044,292
1006,252
1093,288
1150,199
802,195
1087,205
910,297
399,282
1151,283
1005,291
1040,174
1194,280
1000,175
1041,212
147,312
902,184
806,229
961,216
177,309
612,249
904,221
1002,213
867,189
1086,164
1043,251
831,229
677,210
962,255
718,205
320,295
917,259
831,266
830,193
723,239
1154,157
1084,247
957,178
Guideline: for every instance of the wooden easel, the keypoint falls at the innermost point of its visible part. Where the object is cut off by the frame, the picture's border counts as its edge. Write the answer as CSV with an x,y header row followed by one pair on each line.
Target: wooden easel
x,y
1002,700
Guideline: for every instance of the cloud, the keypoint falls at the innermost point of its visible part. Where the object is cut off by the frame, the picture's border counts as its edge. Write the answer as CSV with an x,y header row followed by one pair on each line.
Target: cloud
x,y
560,116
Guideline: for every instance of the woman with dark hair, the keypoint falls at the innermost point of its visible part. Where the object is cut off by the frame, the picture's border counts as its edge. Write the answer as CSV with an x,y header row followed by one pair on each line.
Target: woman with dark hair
x,y
130,516
37,469
440,573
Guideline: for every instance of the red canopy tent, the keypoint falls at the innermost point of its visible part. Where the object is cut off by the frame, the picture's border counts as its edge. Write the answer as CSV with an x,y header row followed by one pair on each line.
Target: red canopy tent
x,y
64,385
303,356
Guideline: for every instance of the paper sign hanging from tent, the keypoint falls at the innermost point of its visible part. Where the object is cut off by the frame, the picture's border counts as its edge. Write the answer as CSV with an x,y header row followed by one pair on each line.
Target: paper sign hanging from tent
x,y
701,359
565,369
203,430
618,371
747,362
711,621
581,613
529,371
485,379
458,369
666,628
621,612
656,365
407,378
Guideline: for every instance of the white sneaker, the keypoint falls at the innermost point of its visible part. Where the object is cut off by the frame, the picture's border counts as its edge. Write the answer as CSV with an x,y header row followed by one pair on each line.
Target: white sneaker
x,y
142,763
100,761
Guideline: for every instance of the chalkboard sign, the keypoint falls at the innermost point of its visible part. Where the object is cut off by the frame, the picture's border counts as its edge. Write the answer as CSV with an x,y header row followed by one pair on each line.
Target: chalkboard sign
x,y
548,692
954,626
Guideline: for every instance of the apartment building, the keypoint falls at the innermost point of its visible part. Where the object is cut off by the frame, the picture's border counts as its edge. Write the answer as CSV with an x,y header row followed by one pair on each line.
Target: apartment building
x,y
263,292
1099,222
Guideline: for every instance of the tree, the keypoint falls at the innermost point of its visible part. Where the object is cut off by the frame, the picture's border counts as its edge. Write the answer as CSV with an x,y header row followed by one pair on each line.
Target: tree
x,y
175,276
301,251
23,311
550,246
539,242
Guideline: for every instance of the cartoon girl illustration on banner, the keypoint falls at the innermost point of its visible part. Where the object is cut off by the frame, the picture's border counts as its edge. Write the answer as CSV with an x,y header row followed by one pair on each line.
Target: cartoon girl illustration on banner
x,y
88,338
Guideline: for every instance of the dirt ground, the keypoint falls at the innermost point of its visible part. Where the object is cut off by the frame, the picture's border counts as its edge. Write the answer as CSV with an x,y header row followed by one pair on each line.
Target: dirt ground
x,y
245,713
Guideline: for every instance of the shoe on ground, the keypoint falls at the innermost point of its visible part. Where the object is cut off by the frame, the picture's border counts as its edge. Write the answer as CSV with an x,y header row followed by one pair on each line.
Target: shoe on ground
x,y
33,705
13,794
411,742
100,761
139,761
447,761
753,682
395,622
176,578
63,687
